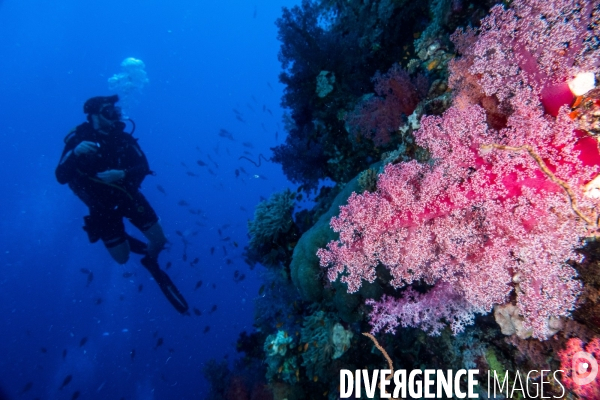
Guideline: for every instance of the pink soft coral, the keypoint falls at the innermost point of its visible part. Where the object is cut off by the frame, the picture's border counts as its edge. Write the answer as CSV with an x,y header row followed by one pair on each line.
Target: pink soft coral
x,y
473,219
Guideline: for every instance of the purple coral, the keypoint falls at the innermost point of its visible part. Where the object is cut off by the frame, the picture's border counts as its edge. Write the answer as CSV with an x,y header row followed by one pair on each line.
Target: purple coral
x,y
397,95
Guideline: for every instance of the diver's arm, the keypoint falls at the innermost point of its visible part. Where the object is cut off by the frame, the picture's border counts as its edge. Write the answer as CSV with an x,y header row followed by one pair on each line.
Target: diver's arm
x,y
67,166
139,168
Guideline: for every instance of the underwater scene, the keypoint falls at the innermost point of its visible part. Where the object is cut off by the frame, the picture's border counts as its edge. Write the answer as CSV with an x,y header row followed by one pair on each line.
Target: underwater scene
x,y
315,199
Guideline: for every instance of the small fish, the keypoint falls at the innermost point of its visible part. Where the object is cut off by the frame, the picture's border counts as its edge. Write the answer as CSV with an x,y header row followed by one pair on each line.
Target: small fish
x,y
161,189
261,291
26,388
228,261
237,173
64,354
213,173
83,341
276,135
90,279
212,251
235,244
44,350
190,173
243,209
248,145
198,285
75,395
183,164
178,233
184,257
250,107
226,134
168,265
66,381
237,112
264,107
159,343
195,261
99,301
85,271
263,127
206,329
214,285
269,85
240,278
269,111
127,274
224,251
183,203
213,309
236,273
140,288
197,312
226,238
201,163
132,354
239,118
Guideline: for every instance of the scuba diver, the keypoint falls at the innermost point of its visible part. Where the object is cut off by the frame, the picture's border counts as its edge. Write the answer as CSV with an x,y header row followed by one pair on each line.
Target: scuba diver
x,y
104,166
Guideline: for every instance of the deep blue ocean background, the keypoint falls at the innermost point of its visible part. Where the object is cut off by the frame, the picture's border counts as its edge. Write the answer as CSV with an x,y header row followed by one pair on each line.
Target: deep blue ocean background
x,y
203,59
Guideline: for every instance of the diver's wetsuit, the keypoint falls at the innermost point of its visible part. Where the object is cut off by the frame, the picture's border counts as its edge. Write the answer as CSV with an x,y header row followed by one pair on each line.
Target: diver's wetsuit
x,y
108,202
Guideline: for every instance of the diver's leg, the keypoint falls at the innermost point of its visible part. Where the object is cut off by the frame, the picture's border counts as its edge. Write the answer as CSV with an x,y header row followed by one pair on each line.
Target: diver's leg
x,y
113,234
156,239
142,216
120,252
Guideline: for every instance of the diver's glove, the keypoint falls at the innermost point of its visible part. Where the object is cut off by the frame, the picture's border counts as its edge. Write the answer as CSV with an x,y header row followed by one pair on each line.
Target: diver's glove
x,y
111,175
85,147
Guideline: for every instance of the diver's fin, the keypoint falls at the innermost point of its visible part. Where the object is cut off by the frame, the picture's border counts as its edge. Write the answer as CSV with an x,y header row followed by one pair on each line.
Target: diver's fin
x,y
136,246
166,285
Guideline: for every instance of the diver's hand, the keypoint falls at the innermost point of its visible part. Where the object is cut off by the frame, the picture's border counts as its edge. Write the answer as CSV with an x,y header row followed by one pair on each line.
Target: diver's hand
x,y
111,175
85,147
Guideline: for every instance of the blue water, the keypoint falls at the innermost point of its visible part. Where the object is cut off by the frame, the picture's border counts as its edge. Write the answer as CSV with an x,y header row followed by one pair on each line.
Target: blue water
x,y
203,59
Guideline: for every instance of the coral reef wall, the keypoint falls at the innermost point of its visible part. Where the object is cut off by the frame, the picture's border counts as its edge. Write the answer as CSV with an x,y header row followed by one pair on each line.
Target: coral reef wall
x,y
461,228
